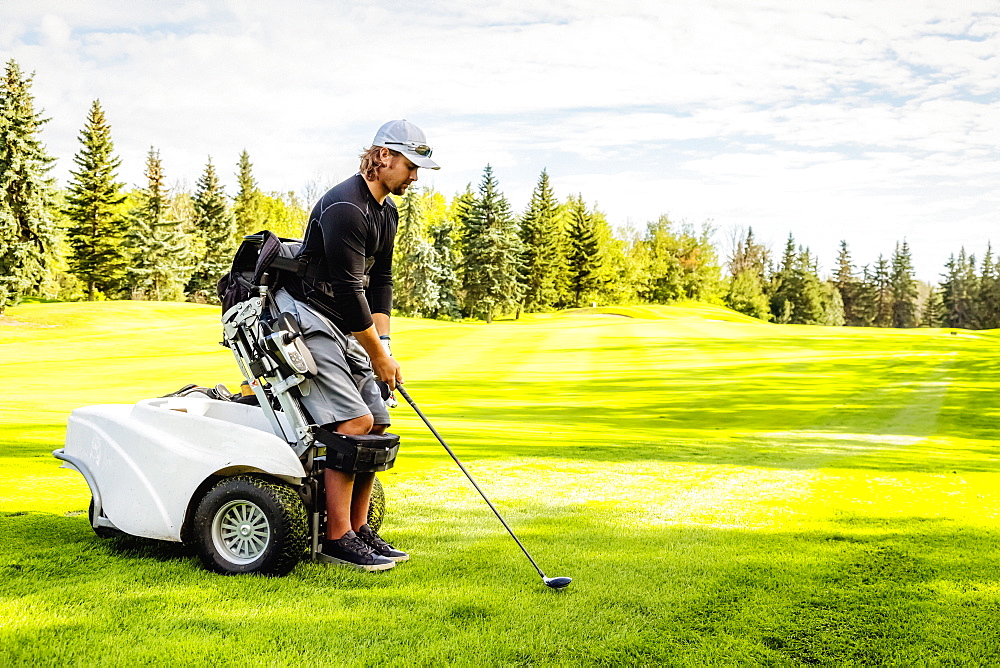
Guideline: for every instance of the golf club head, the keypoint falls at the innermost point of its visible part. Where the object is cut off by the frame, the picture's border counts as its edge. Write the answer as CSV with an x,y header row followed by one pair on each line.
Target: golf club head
x,y
557,583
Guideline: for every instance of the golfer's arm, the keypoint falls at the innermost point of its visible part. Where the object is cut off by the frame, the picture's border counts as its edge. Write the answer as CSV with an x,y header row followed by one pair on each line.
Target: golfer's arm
x,y
381,321
368,339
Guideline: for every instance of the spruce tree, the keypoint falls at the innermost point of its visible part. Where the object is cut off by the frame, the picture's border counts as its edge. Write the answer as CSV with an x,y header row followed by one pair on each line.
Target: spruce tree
x,y
424,275
249,215
746,295
409,235
491,253
932,312
971,280
156,242
950,289
812,298
426,272
786,285
747,276
27,195
460,213
449,284
214,225
958,292
988,298
865,298
846,282
542,257
749,256
584,258
882,282
97,255
798,296
903,288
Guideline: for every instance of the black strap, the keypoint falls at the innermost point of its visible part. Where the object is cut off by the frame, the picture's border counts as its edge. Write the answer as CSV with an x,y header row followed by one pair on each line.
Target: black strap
x,y
300,267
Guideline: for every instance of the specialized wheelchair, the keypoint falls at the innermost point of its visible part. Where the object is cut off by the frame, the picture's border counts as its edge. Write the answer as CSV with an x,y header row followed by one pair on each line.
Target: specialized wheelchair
x,y
240,478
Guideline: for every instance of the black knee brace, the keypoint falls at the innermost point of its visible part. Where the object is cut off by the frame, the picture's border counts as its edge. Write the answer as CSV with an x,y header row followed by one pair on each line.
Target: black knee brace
x,y
359,454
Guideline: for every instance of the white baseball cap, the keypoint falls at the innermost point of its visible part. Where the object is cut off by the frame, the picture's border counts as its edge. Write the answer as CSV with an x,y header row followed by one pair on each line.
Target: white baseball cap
x,y
408,139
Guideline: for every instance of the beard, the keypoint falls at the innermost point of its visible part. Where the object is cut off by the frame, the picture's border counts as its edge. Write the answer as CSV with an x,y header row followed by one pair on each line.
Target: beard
x,y
400,190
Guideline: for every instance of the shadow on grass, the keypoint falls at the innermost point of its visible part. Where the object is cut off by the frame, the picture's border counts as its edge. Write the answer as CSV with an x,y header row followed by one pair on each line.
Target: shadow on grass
x,y
826,405
859,591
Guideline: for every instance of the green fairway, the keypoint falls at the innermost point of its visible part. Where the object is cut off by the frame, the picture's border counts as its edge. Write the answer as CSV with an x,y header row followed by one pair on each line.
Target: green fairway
x,y
722,491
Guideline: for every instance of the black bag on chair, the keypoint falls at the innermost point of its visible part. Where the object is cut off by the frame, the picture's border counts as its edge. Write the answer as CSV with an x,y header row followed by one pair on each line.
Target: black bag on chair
x,y
259,254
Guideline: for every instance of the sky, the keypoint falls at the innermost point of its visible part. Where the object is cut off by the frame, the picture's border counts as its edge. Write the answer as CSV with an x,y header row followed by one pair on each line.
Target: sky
x,y
866,121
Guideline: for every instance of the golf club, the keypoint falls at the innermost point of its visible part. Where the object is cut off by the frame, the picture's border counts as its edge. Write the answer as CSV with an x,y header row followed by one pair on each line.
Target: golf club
x,y
554,583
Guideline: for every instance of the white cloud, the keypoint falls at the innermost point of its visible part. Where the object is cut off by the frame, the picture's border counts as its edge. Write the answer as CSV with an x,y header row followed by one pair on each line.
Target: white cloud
x,y
859,119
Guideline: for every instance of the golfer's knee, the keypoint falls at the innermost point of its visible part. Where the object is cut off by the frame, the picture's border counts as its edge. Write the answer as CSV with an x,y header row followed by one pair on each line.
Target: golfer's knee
x,y
358,426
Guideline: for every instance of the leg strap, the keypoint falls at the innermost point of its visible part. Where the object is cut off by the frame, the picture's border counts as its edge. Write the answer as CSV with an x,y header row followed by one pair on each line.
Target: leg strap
x,y
359,454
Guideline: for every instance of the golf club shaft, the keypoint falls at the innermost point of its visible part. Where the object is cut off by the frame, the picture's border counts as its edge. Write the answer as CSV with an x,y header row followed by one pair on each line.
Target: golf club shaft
x,y
468,475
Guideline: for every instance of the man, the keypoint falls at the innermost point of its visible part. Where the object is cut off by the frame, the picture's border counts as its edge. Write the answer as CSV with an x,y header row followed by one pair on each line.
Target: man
x,y
344,314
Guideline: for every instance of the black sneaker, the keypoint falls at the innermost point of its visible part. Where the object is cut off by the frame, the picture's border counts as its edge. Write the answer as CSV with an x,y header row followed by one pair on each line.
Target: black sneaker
x,y
375,542
350,550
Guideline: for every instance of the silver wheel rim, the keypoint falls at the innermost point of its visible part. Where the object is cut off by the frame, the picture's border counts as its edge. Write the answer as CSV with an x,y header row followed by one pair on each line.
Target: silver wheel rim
x,y
241,532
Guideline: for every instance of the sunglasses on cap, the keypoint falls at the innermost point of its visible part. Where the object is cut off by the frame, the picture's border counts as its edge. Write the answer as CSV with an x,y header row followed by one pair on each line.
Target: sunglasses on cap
x,y
419,149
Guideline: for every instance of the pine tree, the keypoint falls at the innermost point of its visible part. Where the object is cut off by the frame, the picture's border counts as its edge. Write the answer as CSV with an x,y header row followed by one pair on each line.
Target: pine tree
x,y
933,310
584,257
958,291
97,255
491,253
448,281
798,296
156,243
747,272
461,214
882,282
27,195
746,295
811,302
214,225
409,235
847,284
903,288
749,256
786,285
249,215
971,280
865,298
988,301
426,271
542,258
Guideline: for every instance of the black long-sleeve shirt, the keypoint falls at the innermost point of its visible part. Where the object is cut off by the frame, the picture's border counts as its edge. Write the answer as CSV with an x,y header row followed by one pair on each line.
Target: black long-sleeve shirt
x,y
350,236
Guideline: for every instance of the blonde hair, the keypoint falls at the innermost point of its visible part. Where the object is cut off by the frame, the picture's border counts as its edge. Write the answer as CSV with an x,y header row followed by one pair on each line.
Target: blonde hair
x,y
371,161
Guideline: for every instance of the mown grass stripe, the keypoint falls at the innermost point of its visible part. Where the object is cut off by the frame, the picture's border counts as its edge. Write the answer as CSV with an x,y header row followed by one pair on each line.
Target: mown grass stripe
x,y
722,492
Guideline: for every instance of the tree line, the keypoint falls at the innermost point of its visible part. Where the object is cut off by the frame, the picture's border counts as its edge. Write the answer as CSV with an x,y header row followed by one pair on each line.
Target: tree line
x,y
470,255
93,239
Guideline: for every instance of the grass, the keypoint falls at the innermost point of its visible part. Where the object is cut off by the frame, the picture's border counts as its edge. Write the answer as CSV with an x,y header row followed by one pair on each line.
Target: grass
x,y
722,492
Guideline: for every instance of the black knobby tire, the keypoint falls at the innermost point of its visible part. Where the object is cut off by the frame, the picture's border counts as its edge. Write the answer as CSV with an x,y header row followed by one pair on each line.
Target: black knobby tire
x,y
376,508
102,532
246,524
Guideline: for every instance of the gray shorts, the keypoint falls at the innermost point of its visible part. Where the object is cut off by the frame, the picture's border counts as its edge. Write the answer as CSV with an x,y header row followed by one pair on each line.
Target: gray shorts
x,y
345,387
